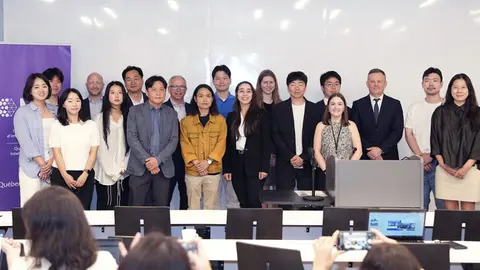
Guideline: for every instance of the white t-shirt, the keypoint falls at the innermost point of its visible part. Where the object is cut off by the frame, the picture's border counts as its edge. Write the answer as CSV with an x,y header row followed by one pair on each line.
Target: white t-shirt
x,y
105,261
419,119
298,115
74,141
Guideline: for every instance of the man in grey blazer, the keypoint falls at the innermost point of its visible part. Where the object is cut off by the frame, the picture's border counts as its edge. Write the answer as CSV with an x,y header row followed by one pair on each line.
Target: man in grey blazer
x,y
152,133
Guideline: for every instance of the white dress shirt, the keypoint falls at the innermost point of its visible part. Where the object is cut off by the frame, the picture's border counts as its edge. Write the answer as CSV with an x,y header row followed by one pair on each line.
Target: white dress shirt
x,y
180,109
136,102
372,100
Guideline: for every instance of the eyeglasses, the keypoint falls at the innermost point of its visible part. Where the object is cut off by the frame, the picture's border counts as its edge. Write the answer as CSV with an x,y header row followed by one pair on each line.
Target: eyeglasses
x,y
179,87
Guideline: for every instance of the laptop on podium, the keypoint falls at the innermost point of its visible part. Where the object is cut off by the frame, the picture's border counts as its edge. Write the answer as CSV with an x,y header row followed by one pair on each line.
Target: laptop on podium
x,y
401,225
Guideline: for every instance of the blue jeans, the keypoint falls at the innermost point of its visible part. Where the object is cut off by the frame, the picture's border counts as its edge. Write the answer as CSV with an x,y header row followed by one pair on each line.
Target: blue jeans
x,y
429,186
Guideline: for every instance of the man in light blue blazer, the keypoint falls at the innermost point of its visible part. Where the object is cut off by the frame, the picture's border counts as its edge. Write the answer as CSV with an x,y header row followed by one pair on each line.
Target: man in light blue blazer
x,y
152,134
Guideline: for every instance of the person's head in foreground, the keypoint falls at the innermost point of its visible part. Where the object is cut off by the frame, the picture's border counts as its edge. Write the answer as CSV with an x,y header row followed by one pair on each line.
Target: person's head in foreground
x,y
387,256
58,229
384,254
158,252
58,233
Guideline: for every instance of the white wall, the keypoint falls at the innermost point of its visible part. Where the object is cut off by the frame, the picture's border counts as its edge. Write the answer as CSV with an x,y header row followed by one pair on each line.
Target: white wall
x,y
203,33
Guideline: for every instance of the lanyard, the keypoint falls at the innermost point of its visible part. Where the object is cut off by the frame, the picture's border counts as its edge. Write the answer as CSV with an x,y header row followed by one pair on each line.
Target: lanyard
x,y
338,137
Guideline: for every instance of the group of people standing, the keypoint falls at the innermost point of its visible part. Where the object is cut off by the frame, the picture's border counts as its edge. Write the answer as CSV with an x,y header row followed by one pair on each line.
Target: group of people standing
x,y
135,147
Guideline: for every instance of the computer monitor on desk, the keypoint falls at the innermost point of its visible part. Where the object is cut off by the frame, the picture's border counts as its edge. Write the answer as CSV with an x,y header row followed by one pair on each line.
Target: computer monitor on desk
x,y
375,184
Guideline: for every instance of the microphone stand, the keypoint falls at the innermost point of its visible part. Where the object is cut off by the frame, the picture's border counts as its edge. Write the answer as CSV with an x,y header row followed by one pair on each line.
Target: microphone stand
x,y
314,165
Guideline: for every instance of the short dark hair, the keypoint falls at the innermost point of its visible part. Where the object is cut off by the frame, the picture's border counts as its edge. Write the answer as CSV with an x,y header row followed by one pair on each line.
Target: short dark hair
x,y
62,112
327,115
156,251
223,68
390,256
57,228
53,72
376,70
194,106
153,79
431,70
297,76
330,74
130,68
27,90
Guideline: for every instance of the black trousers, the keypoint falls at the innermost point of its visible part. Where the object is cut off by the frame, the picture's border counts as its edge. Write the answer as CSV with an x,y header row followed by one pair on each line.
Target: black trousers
x,y
84,193
301,178
110,196
141,186
179,181
246,187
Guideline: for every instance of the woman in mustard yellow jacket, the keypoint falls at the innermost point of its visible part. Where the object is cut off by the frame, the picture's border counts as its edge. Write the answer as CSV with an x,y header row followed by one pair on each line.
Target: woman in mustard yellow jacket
x,y
203,140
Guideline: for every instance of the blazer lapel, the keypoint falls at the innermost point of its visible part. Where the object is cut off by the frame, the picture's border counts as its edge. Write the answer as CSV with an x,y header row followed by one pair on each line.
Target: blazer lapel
x,y
290,122
305,119
148,120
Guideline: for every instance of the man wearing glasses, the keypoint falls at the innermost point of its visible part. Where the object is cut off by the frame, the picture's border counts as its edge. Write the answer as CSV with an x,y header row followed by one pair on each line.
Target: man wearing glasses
x,y
177,87
330,82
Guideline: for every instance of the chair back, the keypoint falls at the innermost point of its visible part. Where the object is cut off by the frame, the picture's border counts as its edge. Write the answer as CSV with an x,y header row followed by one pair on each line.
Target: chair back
x,y
155,218
240,223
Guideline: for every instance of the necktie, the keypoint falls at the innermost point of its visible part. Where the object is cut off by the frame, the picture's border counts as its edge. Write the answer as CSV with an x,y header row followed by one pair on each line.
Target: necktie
x,y
376,109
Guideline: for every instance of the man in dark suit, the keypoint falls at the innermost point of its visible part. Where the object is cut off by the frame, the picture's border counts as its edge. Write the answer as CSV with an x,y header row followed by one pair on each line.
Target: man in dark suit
x,y
330,82
92,105
133,79
177,87
294,122
152,133
379,119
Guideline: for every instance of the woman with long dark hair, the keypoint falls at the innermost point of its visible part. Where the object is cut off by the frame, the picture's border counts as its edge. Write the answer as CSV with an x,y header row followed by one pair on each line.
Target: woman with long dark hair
x,y
247,157
58,235
113,153
455,143
202,139
74,140
336,135
32,123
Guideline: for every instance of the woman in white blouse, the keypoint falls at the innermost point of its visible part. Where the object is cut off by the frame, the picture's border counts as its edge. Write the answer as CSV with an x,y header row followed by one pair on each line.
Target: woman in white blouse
x,y
112,156
32,124
74,140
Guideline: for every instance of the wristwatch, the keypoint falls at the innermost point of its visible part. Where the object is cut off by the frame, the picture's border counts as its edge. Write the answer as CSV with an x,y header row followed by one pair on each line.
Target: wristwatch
x,y
209,161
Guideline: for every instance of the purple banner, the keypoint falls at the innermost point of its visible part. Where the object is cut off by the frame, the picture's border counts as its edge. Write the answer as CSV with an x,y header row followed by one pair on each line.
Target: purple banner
x,y
16,63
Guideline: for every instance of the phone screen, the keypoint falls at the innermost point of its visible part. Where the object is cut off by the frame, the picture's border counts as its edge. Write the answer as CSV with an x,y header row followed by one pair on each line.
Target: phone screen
x,y
189,246
356,240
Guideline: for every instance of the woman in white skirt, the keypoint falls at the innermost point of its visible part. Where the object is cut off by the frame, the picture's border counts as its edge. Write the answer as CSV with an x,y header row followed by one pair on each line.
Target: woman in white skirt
x,y
455,143
32,124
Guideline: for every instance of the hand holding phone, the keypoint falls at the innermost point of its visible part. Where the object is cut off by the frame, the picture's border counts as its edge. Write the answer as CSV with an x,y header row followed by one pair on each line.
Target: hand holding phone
x,y
189,246
356,240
